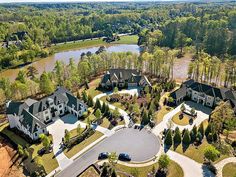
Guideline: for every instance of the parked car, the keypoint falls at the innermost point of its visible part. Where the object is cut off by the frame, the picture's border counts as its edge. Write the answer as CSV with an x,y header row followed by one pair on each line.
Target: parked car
x,y
124,157
103,155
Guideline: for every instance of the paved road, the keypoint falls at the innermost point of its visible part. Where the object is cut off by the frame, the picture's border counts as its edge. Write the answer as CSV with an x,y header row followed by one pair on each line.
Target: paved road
x,y
141,145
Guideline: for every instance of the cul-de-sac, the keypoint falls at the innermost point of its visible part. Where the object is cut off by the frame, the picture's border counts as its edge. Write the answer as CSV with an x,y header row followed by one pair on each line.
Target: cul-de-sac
x,y
118,89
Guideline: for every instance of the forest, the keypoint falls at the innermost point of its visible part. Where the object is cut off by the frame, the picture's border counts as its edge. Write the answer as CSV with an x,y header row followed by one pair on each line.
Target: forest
x,y
164,31
209,27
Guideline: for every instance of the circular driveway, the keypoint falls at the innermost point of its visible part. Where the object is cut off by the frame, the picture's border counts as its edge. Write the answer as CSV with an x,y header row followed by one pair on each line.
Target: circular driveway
x,y
141,145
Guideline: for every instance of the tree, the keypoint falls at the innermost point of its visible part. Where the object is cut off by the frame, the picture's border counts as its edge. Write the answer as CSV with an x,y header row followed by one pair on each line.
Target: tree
x,y
112,158
21,77
90,101
79,130
199,137
145,119
164,161
193,133
186,137
115,90
211,153
46,85
31,72
84,96
67,136
98,104
20,150
116,113
201,129
38,161
182,108
103,107
45,140
113,173
177,136
98,114
168,138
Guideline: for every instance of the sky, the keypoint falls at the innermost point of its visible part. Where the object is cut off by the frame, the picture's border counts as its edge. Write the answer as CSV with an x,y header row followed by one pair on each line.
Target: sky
x,y
12,1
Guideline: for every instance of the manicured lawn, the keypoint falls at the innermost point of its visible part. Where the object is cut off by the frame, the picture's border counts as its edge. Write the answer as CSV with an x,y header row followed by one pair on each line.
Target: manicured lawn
x,y
90,172
174,170
92,87
95,42
49,161
229,170
105,123
14,137
116,104
75,149
162,112
79,44
74,133
133,39
180,121
197,153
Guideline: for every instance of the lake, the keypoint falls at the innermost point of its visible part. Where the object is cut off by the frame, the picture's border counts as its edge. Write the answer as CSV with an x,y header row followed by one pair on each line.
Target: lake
x,y
47,64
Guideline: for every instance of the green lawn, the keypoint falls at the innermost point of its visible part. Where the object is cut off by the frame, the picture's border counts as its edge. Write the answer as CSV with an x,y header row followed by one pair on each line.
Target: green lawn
x,y
49,162
116,104
183,121
174,170
14,137
79,44
92,87
90,172
105,123
75,149
197,153
229,170
95,42
162,112
133,39
74,133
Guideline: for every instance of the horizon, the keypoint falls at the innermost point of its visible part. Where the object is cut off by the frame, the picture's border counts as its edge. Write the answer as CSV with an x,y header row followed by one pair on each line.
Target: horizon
x,y
83,1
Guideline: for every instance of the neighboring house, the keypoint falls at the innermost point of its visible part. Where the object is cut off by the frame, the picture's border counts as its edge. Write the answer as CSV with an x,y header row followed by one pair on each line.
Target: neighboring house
x,y
203,94
124,78
32,117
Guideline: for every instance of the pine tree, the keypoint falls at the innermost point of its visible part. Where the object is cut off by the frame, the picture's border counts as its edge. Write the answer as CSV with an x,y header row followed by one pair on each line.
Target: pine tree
x,y
98,104
90,101
193,133
201,130
177,136
103,107
78,95
186,137
168,138
199,137
145,119
85,96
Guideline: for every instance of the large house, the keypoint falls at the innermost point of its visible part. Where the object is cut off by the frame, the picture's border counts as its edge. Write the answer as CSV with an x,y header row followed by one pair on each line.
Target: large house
x,y
31,116
203,94
124,78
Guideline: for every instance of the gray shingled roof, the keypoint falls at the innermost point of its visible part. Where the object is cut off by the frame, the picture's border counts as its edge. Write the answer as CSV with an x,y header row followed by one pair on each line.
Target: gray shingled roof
x,y
30,107
179,93
123,74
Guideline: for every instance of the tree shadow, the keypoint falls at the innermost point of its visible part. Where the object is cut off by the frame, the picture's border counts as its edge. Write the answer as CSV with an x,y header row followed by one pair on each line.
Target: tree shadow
x,y
206,172
185,147
176,145
166,148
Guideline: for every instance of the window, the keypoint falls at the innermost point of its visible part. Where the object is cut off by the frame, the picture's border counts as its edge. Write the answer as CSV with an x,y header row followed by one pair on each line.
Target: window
x,y
47,118
60,106
35,134
46,111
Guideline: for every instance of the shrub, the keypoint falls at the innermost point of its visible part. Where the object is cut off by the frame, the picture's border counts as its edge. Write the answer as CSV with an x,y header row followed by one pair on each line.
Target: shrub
x,y
164,161
211,153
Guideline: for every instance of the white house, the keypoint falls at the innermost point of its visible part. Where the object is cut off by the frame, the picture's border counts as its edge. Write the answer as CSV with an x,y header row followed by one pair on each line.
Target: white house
x,y
202,93
31,117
